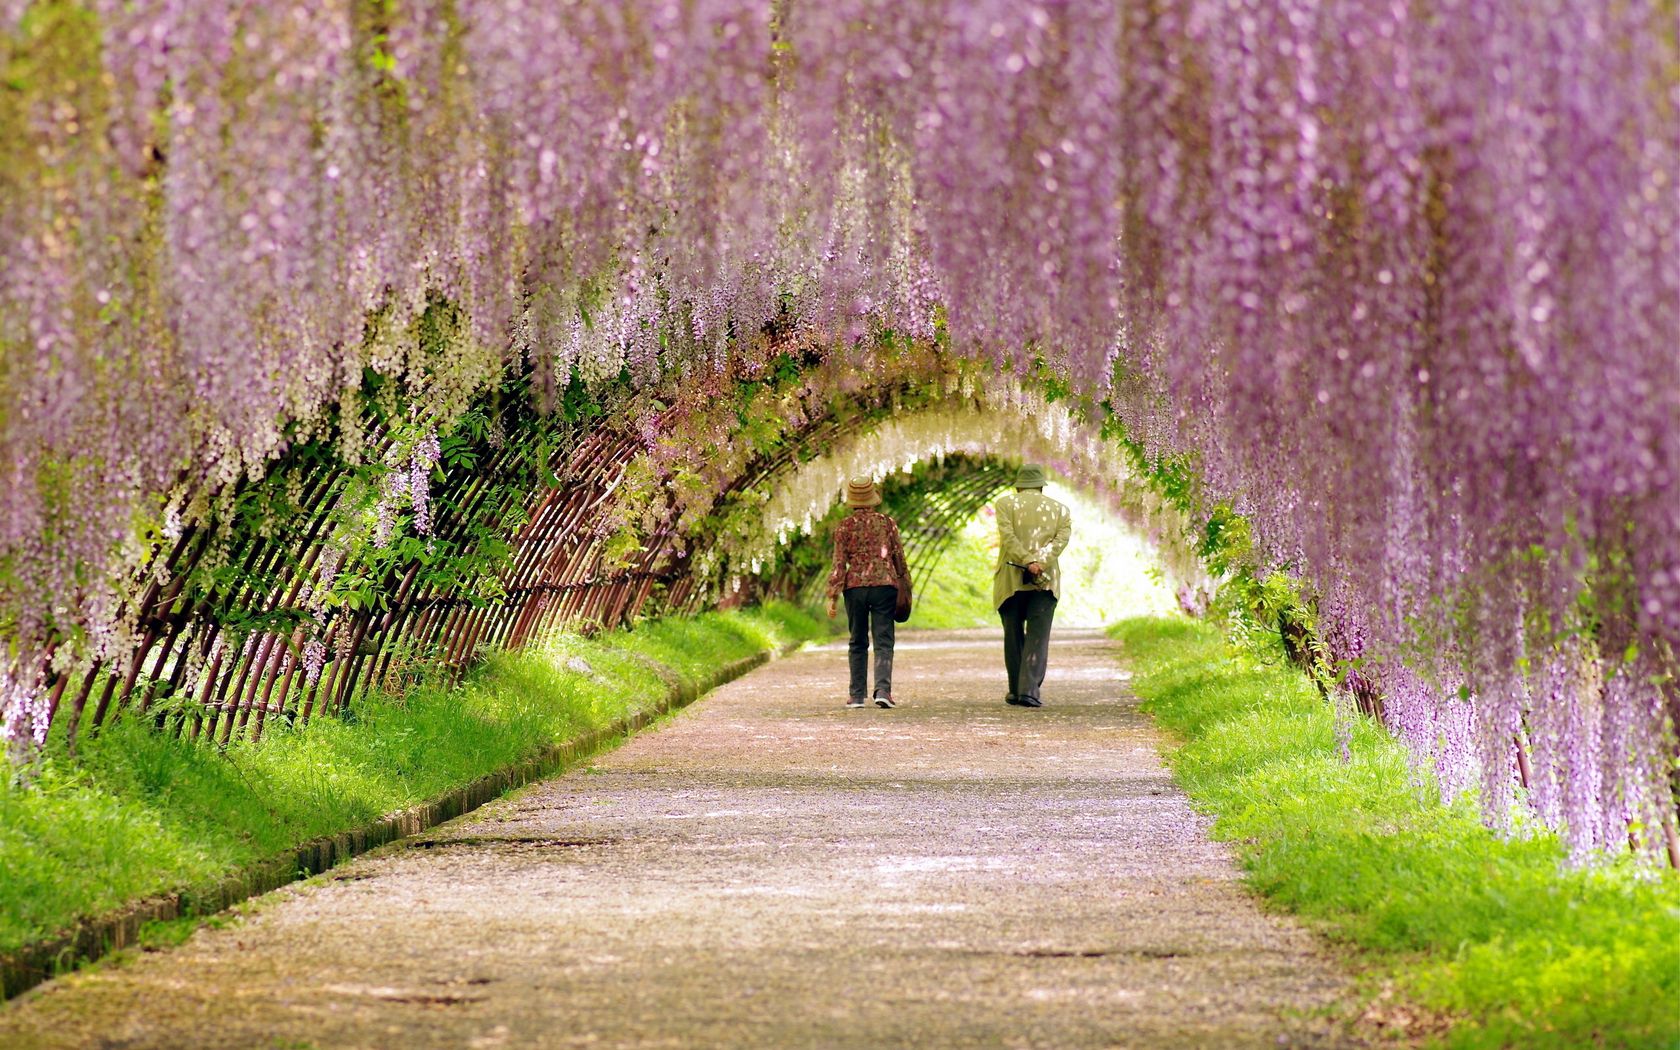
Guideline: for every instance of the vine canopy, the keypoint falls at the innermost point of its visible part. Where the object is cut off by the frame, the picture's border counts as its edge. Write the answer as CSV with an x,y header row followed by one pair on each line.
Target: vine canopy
x,y
1399,282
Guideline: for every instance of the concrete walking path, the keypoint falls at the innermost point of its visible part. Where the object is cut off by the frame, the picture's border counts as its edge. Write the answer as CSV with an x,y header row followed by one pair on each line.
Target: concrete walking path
x,y
770,869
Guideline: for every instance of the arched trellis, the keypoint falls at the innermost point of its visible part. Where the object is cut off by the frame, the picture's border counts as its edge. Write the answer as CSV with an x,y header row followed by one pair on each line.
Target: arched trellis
x,y
247,674
219,654
245,616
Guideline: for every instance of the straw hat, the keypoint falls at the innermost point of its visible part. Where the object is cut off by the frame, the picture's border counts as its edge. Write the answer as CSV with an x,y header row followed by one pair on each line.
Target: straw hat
x,y
1030,476
861,492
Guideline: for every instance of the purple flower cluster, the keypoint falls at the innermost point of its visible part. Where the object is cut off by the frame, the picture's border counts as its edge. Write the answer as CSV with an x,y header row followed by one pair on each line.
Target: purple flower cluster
x,y
25,716
314,659
1405,284
1192,598
426,455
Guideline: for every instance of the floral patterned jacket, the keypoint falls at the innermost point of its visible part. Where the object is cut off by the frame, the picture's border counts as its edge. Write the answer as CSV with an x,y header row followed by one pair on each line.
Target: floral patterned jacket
x,y
867,552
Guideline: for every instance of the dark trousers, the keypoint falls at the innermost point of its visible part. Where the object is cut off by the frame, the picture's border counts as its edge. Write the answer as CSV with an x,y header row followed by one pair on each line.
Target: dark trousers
x,y
869,613
1026,619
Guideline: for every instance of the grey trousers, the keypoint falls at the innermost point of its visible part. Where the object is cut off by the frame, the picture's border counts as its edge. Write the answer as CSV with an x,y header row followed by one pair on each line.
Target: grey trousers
x,y
1026,619
869,613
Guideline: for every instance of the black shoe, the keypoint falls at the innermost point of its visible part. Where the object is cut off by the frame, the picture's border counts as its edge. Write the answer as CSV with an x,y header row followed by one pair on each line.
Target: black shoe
x,y
1027,701
1012,700
883,701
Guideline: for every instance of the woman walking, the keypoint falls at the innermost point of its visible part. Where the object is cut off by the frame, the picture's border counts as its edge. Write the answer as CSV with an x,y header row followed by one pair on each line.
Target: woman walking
x,y
868,563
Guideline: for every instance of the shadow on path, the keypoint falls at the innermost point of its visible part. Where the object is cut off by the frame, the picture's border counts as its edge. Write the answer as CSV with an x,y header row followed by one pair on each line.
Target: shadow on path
x,y
770,869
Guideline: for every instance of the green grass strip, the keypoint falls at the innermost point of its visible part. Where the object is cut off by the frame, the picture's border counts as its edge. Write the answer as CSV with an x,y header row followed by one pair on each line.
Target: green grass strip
x,y
138,813
1501,935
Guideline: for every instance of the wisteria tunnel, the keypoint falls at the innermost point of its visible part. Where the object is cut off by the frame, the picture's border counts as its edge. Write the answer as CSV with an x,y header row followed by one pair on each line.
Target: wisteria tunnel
x,y
344,345
542,520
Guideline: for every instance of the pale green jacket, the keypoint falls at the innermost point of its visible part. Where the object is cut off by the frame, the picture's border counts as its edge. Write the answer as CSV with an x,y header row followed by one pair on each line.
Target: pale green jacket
x,y
1031,527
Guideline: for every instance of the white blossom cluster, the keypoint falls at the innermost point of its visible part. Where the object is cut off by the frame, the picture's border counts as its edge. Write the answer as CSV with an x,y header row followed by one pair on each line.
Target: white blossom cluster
x,y
1014,424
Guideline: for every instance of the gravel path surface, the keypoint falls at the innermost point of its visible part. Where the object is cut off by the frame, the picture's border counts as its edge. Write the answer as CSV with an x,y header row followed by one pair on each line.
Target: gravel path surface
x,y
769,869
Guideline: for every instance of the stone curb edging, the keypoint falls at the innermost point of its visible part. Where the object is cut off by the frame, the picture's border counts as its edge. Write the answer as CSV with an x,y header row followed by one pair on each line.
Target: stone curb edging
x,y
97,936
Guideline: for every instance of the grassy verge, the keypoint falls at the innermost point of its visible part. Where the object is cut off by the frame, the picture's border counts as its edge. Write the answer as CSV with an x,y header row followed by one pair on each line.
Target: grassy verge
x,y
1499,935
138,813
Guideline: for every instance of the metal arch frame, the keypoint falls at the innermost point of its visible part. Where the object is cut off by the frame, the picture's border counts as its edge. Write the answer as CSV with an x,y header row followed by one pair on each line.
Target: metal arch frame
x,y
951,507
556,574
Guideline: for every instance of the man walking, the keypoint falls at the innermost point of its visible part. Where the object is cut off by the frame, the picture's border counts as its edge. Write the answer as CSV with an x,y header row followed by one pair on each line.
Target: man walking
x,y
1033,530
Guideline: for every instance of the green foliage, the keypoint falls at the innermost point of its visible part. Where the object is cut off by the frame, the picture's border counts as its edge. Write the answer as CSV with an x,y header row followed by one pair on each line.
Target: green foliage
x,y
959,593
141,812
1174,477
1225,542
333,483
1500,934
693,646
